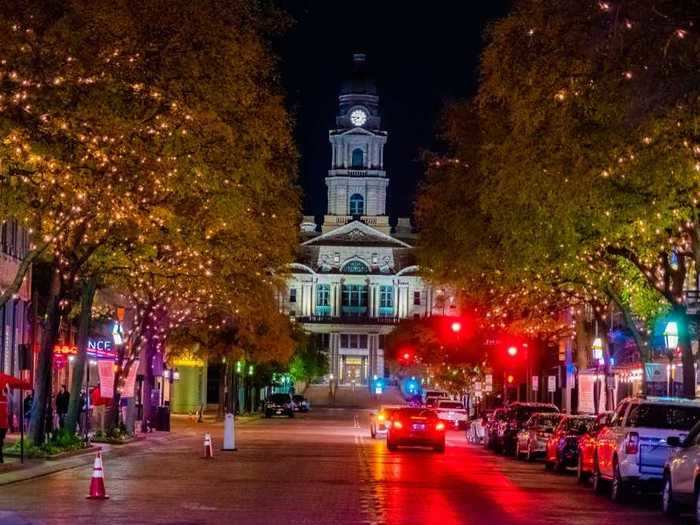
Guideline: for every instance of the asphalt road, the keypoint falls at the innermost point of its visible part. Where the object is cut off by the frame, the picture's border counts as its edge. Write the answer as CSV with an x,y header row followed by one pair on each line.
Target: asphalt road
x,y
317,468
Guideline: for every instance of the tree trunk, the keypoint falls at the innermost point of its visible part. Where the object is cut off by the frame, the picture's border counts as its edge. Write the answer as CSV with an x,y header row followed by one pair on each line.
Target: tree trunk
x,y
684,343
74,408
223,391
148,384
37,427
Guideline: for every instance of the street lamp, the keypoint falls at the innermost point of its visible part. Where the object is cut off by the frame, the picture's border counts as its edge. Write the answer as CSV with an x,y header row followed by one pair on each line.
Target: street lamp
x,y
671,339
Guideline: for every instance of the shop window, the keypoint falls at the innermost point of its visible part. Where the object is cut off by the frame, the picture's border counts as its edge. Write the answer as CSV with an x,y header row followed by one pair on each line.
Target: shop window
x,y
416,298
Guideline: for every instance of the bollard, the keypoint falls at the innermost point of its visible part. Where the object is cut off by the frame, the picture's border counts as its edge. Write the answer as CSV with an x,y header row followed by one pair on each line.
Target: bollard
x,y
229,434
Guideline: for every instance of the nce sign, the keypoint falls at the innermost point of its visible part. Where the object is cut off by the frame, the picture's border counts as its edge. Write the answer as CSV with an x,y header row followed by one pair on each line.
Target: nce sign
x,y
100,346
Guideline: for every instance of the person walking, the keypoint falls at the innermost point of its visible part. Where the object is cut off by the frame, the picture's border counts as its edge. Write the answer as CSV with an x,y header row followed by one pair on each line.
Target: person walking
x,y
99,405
62,401
28,400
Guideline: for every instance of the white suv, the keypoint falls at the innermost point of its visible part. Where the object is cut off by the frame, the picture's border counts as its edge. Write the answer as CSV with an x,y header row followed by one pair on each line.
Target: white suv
x,y
682,475
632,449
452,412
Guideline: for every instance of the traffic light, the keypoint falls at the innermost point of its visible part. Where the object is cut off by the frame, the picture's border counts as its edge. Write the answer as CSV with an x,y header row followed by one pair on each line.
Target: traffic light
x,y
250,370
512,351
239,366
456,327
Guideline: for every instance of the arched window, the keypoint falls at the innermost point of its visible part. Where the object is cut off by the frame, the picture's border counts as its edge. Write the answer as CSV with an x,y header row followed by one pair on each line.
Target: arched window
x,y
357,204
358,158
355,266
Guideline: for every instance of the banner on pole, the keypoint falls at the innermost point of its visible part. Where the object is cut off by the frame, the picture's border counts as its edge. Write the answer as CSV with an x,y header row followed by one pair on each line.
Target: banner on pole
x,y
551,383
106,371
130,381
535,383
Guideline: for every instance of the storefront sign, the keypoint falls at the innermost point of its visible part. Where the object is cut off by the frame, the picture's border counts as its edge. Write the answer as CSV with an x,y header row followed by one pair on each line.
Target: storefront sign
x,y
535,383
98,348
551,384
488,383
106,371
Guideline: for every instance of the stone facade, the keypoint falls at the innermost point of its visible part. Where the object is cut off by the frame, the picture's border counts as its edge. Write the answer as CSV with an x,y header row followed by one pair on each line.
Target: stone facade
x,y
357,278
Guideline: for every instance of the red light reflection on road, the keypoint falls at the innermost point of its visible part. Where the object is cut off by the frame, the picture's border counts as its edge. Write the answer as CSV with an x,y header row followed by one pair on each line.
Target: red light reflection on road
x,y
419,486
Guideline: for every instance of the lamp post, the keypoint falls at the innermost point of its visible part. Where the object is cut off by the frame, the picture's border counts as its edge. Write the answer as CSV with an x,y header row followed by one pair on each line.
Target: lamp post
x,y
671,339
597,350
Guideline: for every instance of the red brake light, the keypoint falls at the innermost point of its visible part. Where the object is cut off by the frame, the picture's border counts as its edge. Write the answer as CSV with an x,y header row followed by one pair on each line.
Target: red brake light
x,y
632,445
440,426
397,424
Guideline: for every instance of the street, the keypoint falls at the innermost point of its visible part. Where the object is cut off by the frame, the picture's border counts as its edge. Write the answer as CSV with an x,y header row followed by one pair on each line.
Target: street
x,y
316,468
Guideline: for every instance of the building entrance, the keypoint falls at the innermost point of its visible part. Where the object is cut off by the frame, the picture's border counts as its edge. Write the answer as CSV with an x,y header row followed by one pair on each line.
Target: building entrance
x,y
354,369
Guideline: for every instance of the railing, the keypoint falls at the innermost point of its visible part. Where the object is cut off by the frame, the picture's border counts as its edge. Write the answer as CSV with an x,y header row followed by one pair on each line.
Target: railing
x,y
353,319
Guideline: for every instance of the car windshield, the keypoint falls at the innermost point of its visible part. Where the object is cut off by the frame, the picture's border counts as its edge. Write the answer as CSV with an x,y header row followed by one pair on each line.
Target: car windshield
x,y
279,398
522,414
663,416
414,412
450,404
578,425
549,421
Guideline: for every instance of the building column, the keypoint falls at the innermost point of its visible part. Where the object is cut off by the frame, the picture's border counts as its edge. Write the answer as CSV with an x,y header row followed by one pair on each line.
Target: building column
x,y
306,298
373,340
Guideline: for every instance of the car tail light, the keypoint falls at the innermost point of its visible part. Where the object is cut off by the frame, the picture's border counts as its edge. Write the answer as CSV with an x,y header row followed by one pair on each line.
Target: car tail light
x,y
397,424
632,445
440,426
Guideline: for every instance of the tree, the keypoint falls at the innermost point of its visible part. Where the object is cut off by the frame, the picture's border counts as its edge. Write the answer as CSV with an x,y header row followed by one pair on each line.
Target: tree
x,y
585,150
170,114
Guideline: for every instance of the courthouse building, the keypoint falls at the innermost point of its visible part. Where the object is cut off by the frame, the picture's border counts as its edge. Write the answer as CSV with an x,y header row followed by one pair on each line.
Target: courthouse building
x,y
355,275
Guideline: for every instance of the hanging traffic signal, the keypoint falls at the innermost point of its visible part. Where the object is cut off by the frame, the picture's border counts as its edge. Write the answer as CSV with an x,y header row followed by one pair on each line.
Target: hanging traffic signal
x,y
456,327
250,370
239,366
512,351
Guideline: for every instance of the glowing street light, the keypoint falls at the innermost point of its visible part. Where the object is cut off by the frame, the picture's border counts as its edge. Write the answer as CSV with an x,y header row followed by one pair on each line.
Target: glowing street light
x,y
671,335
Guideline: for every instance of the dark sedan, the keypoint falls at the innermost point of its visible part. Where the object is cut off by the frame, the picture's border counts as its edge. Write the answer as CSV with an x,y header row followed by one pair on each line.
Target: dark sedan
x,y
416,427
562,447
279,405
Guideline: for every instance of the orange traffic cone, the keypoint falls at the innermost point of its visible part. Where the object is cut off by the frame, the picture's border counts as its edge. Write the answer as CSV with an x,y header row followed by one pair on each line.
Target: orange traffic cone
x,y
208,449
97,482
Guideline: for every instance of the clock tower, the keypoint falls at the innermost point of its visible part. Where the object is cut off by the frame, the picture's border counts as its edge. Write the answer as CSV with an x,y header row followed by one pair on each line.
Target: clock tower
x,y
356,181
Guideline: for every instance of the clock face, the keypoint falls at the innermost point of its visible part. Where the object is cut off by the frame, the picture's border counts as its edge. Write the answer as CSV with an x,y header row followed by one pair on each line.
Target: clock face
x,y
358,117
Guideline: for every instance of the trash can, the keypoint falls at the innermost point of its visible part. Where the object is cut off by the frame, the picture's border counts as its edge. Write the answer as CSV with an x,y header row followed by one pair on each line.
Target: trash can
x,y
163,419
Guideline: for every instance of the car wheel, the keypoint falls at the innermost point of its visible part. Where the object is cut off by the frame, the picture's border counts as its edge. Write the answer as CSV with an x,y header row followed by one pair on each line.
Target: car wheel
x,y
668,506
291,414
581,475
529,455
390,446
618,488
440,448
598,482
372,433
558,465
268,415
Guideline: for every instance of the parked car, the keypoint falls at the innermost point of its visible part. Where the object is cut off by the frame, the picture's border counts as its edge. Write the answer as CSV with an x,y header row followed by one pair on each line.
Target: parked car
x,y
532,439
586,447
431,397
682,474
632,450
279,405
300,403
452,413
516,415
379,421
493,421
562,446
416,427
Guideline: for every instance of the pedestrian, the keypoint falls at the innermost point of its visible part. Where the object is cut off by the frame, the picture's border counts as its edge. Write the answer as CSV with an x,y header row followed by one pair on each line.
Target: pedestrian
x,y
99,404
4,419
28,401
62,401
83,412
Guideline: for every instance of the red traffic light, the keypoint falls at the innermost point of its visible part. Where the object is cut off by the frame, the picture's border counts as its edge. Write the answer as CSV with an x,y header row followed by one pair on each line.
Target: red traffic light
x,y
406,356
510,379
512,351
456,326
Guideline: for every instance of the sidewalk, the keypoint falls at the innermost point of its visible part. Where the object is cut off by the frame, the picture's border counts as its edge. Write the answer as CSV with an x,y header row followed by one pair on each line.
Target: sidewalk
x,y
182,427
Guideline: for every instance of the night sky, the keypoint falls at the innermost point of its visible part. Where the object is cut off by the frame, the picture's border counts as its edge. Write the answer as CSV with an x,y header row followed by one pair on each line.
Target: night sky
x,y
422,54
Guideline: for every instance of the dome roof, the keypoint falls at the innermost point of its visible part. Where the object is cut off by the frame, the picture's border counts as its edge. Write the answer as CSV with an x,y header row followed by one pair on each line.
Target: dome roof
x,y
360,82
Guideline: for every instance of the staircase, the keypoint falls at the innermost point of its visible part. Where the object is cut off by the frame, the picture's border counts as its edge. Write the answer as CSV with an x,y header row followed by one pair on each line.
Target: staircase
x,y
346,397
